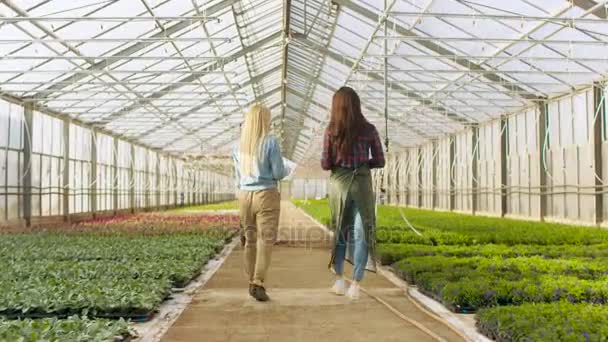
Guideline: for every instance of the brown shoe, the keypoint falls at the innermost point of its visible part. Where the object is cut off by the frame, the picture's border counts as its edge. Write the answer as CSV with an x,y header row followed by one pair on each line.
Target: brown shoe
x,y
259,293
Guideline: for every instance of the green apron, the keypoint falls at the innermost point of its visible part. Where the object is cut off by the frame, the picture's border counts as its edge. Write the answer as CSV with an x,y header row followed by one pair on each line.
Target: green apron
x,y
355,185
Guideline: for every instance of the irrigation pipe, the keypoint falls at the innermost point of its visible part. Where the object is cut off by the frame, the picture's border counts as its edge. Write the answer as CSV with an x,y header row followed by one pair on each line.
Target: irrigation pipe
x,y
411,321
402,284
408,222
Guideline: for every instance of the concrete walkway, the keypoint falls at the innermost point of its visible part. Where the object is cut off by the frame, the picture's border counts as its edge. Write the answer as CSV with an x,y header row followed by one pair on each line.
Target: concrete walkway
x,y
302,308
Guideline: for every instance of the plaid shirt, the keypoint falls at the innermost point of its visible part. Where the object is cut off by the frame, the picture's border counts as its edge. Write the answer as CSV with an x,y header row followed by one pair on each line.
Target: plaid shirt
x,y
367,150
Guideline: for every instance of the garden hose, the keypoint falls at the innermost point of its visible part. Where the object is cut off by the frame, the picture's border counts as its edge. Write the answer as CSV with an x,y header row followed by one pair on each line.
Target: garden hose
x,y
411,321
408,222
405,287
433,316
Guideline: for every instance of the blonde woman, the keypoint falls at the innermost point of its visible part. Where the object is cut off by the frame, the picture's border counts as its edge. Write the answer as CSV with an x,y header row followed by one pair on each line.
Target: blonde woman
x,y
258,167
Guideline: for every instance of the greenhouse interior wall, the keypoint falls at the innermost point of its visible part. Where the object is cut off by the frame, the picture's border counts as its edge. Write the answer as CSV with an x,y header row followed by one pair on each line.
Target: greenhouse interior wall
x,y
53,168
547,162
309,188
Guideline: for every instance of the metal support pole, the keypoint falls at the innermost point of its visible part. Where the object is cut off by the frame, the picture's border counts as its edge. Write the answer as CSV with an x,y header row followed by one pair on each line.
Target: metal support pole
x,y
404,182
27,163
175,181
451,161
192,188
408,185
386,141
504,139
213,188
542,129
420,189
197,187
205,187
115,175
132,179
66,171
475,169
434,167
397,181
599,108
147,184
158,181
93,174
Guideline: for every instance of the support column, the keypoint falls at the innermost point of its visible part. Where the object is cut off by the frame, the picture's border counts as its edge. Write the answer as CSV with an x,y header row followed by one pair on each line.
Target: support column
x,y
475,170
397,175
420,189
542,129
65,184
192,188
434,166
147,184
212,187
207,187
158,181
504,140
27,162
176,200
132,179
408,186
600,108
451,161
115,175
204,187
93,175
386,182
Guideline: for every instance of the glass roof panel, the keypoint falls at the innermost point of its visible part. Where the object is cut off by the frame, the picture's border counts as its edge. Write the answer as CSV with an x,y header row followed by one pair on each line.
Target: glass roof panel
x,y
450,61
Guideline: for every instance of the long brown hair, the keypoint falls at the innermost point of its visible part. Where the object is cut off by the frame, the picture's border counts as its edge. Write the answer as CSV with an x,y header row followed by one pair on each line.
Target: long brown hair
x,y
346,121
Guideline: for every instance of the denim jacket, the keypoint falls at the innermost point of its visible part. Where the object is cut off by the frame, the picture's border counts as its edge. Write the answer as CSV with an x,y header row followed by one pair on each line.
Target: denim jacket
x,y
271,168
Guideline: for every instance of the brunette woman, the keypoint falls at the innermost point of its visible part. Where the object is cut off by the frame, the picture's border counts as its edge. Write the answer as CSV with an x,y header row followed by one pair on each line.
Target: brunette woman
x,y
351,149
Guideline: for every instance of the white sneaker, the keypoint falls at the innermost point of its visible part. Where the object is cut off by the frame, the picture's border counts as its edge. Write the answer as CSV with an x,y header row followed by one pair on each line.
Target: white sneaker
x,y
353,291
339,287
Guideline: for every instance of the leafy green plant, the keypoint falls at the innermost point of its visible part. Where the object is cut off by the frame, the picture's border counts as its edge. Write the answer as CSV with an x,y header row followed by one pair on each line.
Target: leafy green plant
x,y
228,205
560,321
72,329
113,272
442,228
389,253
319,209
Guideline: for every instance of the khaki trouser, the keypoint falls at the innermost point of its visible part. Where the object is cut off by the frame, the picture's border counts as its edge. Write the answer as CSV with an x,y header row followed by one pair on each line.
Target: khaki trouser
x,y
260,222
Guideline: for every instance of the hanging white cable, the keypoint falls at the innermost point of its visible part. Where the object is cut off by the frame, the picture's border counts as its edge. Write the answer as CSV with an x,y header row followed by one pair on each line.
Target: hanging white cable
x,y
544,149
408,222
475,151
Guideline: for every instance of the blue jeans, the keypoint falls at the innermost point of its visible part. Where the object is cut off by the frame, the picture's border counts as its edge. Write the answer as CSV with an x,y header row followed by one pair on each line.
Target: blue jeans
x,y
353,235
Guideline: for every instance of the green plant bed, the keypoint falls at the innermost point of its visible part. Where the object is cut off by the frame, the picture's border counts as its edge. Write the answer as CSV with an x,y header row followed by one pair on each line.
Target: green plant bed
x,y
318,209
106,297
545,322
73,329
478,291
96,247
99,275
467,284
441,228
582,268
484,230
228,205
389,253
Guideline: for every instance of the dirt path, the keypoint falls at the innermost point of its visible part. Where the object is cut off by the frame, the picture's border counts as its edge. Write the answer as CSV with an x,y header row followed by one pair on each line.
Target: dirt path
x,y
302,308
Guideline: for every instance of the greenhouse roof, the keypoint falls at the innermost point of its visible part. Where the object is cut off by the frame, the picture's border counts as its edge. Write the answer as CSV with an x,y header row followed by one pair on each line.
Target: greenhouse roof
x,y
176,75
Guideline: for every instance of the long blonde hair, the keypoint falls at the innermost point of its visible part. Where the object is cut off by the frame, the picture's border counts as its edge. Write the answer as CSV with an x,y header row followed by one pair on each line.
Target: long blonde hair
x,y
255,129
